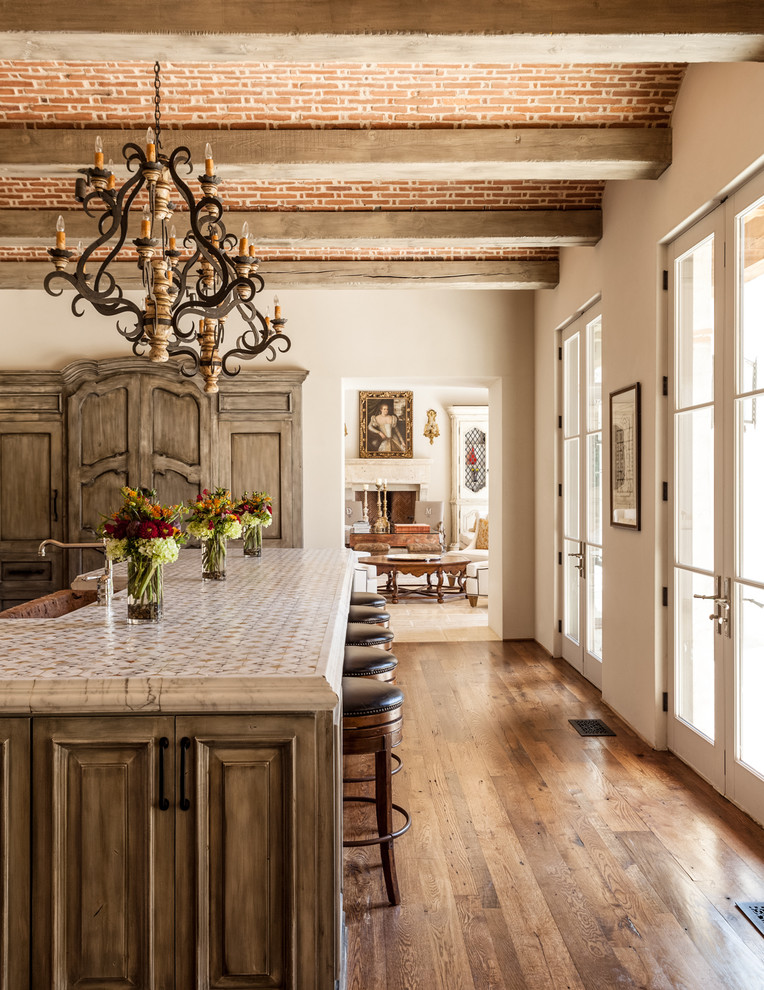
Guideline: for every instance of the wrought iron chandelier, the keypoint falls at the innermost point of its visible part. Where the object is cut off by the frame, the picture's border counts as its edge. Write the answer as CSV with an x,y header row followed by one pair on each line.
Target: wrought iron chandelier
x,y
217,277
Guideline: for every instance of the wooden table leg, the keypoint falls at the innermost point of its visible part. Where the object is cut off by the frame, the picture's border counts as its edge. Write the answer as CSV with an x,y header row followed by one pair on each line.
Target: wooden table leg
x,y
394,577
440,585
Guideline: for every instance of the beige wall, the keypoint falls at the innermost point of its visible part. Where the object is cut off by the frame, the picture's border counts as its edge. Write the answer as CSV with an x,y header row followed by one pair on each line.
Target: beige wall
x,y
718,126
444,338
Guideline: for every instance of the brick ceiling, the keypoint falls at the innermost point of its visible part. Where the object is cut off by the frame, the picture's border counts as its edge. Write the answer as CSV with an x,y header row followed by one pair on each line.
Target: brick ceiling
x,y
371,161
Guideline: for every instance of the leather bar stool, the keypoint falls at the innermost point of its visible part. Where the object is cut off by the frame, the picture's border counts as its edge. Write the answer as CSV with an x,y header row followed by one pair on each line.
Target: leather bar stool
x,y
369,661
371,598
367,613
363,634
372,723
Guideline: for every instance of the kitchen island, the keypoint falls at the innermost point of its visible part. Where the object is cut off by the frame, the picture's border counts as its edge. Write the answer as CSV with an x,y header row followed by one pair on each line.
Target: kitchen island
x,y
181,783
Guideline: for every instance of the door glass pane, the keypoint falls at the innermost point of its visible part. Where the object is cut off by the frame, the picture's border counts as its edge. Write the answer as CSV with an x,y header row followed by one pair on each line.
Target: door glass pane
x,y
594,601
571,590
594,375
695,326
694,651
594,487
694,507
750,489
750,269
570,490
571,396
750,675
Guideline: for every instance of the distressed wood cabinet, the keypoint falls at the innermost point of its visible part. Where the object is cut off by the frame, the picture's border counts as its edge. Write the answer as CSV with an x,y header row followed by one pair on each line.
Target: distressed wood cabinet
x,y
165,851
14,852
31,492
70,440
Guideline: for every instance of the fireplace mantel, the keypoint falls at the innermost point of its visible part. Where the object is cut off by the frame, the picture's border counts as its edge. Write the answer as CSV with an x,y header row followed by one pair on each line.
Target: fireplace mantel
x,y
411,472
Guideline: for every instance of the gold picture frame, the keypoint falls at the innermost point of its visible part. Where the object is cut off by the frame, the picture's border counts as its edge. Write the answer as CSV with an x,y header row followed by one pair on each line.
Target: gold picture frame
x,y
625,457
385,424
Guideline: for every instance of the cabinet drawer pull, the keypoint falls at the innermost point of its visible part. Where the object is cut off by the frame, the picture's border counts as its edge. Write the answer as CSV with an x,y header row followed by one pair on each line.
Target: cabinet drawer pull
x,y
55,505
24,571
185,744
164,802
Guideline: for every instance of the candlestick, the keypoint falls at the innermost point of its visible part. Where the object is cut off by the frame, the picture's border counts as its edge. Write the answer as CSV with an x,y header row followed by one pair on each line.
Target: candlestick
x,y
151,150
276,308
173,238
244,241
209,164
60,234
365,503
98,160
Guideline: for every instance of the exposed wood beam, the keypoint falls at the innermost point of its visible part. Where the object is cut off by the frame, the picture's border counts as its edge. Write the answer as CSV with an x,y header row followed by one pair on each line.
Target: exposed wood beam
x,y
398,229
368,155
345,274
388,30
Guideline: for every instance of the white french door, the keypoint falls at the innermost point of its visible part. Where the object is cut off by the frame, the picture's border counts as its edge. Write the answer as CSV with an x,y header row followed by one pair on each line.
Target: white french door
x,y
717,439
581,554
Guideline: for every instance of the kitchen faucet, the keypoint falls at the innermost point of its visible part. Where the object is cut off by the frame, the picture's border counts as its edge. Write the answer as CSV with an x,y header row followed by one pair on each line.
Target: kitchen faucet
x,y
105,586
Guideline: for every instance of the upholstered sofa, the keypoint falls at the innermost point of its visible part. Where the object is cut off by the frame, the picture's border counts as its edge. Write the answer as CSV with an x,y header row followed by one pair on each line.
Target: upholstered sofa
x,y
474,545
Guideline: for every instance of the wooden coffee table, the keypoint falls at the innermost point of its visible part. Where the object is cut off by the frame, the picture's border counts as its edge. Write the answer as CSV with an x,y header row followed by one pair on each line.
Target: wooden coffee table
x,y
450,564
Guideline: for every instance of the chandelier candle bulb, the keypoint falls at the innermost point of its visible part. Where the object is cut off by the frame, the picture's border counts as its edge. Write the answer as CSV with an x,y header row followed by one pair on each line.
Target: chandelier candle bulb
x,y
209,164
146,223
151,151
244,239
98,160
173,238
112,180
60,234
276,308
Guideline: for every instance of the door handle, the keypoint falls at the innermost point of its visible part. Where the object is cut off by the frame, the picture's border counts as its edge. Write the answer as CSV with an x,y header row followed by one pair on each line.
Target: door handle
x,y
581,557
164,802
185,744
722,613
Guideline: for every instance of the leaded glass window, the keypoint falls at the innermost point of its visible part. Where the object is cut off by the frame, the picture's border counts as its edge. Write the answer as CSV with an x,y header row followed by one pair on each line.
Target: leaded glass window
x,y
474,460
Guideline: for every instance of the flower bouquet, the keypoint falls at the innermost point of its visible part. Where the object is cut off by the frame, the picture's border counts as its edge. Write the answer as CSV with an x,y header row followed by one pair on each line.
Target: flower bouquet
x,y
254,511
213,521
145,535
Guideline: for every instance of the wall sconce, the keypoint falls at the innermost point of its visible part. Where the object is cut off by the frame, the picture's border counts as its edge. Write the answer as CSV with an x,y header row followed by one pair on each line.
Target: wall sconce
x,y
431,429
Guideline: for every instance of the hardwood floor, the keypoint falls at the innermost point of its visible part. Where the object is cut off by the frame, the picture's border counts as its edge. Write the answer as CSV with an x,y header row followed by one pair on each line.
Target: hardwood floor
x,y
540,859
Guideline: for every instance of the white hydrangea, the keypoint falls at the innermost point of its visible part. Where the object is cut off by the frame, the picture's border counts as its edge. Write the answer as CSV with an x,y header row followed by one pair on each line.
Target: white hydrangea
x,y
116,550
199,530
231,528
160,550
248,519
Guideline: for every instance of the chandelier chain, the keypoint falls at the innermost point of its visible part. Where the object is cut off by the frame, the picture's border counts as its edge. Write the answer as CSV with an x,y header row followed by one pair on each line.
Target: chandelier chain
x,y
157,110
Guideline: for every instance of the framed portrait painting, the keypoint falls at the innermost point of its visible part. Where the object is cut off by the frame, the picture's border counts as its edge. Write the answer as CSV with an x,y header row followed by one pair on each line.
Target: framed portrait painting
x,y
625,467
385,424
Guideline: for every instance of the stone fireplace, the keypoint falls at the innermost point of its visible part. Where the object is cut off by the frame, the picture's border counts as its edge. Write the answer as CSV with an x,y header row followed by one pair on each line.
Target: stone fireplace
x,y
408,481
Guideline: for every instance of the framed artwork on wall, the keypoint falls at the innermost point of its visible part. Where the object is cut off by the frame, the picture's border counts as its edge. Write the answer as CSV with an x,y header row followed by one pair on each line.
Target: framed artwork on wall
x,y
625,466
385,424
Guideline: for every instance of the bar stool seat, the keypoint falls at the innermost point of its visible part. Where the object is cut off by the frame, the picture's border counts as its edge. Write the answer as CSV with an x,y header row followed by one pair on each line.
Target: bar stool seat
x,y
363,634
369,661
371,598
367,613
372,723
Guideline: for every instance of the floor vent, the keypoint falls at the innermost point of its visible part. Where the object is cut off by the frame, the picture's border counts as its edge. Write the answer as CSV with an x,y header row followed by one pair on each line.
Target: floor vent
x,y
754,911
590,727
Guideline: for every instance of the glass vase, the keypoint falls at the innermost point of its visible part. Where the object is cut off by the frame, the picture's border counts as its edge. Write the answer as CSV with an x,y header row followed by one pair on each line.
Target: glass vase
x,y
253,540
144,590
213,558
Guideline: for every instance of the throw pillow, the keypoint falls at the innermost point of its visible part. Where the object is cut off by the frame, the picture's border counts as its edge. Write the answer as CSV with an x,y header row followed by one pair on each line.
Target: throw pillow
x,y
481,543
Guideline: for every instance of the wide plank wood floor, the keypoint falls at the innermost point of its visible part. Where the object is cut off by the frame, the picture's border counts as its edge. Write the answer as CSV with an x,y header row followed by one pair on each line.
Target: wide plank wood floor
x,y
540,859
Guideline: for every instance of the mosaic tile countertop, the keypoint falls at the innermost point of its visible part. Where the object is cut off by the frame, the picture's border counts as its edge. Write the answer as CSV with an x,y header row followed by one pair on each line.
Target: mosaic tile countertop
x,y
269,638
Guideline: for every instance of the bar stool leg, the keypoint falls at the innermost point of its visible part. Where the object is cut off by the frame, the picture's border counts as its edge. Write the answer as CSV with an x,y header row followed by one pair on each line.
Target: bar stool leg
x,y
384,803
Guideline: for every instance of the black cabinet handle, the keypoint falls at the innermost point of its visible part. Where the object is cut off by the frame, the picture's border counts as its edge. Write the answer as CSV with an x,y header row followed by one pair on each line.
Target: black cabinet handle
x,y
185,744
55,505
164,802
